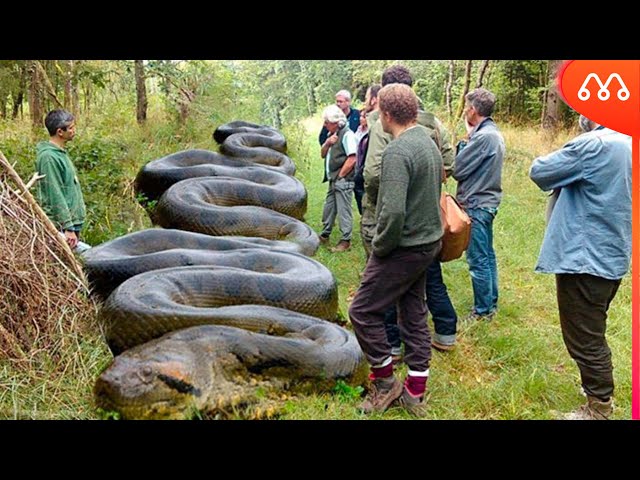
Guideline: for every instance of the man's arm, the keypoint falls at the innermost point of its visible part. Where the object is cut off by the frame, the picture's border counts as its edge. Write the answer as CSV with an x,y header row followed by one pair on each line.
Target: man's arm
x,y
378,140
446,149
392,199
564,166
471,157
51,194
324,133
351,148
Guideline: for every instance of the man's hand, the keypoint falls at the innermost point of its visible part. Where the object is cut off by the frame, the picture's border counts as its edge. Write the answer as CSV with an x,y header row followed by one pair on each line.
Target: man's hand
x,y
72,238
332,139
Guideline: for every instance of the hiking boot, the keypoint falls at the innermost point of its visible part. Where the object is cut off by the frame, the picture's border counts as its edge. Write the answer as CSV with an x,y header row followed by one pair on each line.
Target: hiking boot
x,y
383,392
343,245
323,240
441,347
416,406
594,409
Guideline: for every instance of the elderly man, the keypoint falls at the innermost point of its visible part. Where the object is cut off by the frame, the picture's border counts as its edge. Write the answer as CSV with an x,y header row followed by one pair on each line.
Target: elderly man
x,y
587,245
339,153
343,102
406,241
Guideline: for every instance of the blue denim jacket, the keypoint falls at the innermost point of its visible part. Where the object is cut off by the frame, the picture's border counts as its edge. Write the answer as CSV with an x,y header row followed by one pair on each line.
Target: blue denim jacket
x,y
478,167
589,229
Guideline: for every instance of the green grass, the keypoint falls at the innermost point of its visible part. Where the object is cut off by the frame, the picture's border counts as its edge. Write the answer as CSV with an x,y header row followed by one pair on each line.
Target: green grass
x,y
515,367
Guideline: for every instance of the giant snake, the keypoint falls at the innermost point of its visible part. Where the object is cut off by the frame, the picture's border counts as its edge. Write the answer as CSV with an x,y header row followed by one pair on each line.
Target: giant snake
x,y
241,303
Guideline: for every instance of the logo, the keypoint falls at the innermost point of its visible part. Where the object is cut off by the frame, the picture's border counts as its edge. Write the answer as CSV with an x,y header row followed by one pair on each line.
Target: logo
x,y
602,90
603,93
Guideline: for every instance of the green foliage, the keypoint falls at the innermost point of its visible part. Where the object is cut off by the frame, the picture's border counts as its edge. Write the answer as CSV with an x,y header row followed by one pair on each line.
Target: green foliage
x,y
347,392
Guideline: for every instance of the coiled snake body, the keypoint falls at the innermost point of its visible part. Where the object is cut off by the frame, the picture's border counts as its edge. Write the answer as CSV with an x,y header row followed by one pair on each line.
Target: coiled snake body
x,y
252,304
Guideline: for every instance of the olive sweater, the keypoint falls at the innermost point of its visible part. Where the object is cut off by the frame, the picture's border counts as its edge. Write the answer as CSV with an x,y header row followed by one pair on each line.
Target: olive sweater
x,y
408,208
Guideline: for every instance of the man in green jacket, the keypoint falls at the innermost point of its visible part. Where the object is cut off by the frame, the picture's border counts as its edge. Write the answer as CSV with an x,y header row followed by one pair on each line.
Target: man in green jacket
x,y
59,191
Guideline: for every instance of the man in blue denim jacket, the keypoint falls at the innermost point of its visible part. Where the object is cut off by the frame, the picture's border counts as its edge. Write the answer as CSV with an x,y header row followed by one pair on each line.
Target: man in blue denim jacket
x,y
478,170
587,245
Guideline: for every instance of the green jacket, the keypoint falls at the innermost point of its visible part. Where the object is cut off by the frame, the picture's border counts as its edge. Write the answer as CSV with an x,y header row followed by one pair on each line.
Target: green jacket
x,y
59,191
378,140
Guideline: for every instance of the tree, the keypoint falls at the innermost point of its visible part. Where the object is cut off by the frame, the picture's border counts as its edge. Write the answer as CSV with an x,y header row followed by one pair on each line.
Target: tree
x,y
141,93
448,86
551,101
483,70
465,90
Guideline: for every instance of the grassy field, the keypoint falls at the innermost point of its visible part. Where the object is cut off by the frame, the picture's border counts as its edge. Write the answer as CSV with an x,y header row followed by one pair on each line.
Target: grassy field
x,y
515,367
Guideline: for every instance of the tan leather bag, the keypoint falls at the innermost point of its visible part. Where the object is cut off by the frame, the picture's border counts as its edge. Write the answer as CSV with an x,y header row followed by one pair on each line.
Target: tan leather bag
x,y
457,228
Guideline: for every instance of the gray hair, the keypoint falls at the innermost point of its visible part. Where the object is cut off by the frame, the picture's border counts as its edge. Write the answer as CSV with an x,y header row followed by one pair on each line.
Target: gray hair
x,y
586,125
56,119
333,114
344,93
482,100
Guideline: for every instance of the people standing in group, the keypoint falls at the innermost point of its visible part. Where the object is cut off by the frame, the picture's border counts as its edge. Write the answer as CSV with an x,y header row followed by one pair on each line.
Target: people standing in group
x,y
406,240
438,301
58,192
339,154
370,105
587,245
343,102
478,170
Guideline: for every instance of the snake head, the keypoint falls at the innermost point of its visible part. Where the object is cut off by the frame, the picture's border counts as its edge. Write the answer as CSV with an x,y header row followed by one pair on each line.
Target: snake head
x,y
145,383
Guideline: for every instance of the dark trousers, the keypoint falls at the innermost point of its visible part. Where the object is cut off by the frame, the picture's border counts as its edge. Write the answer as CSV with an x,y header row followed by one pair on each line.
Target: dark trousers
x,y
438,303
397,279
583,302
358,190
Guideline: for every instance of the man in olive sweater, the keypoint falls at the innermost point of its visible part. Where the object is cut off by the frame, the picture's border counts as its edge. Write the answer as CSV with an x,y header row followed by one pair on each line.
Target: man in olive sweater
x,y
59,192
406,241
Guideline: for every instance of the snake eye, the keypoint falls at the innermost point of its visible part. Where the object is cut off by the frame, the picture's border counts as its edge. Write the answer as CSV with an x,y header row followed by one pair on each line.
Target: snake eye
x,y
147,371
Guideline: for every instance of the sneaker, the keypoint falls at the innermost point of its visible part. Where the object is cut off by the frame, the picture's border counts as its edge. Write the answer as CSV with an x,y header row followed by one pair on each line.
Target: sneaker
x,y
594,409
416,406
323,239
343,246
475,316
441,347
383,392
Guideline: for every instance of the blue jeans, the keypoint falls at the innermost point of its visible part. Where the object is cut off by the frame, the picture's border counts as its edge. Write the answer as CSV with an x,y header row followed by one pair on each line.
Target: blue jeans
x,y
481,258
438,303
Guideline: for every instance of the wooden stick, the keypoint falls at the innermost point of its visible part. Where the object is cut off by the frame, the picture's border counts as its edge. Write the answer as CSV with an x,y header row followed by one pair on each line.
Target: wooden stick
x,y
49,226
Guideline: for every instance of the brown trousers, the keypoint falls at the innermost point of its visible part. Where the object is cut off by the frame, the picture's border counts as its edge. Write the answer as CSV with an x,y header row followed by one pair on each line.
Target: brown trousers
x,y
398,278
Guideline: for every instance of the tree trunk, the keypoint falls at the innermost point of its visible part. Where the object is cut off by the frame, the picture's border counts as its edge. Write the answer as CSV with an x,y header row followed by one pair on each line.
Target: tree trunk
x,y
448,86
3,107
18,98
483,70
141,93
35,98
551,117
185,98
68,87
467,83
46,83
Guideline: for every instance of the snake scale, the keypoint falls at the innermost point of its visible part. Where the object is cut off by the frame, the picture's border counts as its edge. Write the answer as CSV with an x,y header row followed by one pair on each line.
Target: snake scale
x,y
225,292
